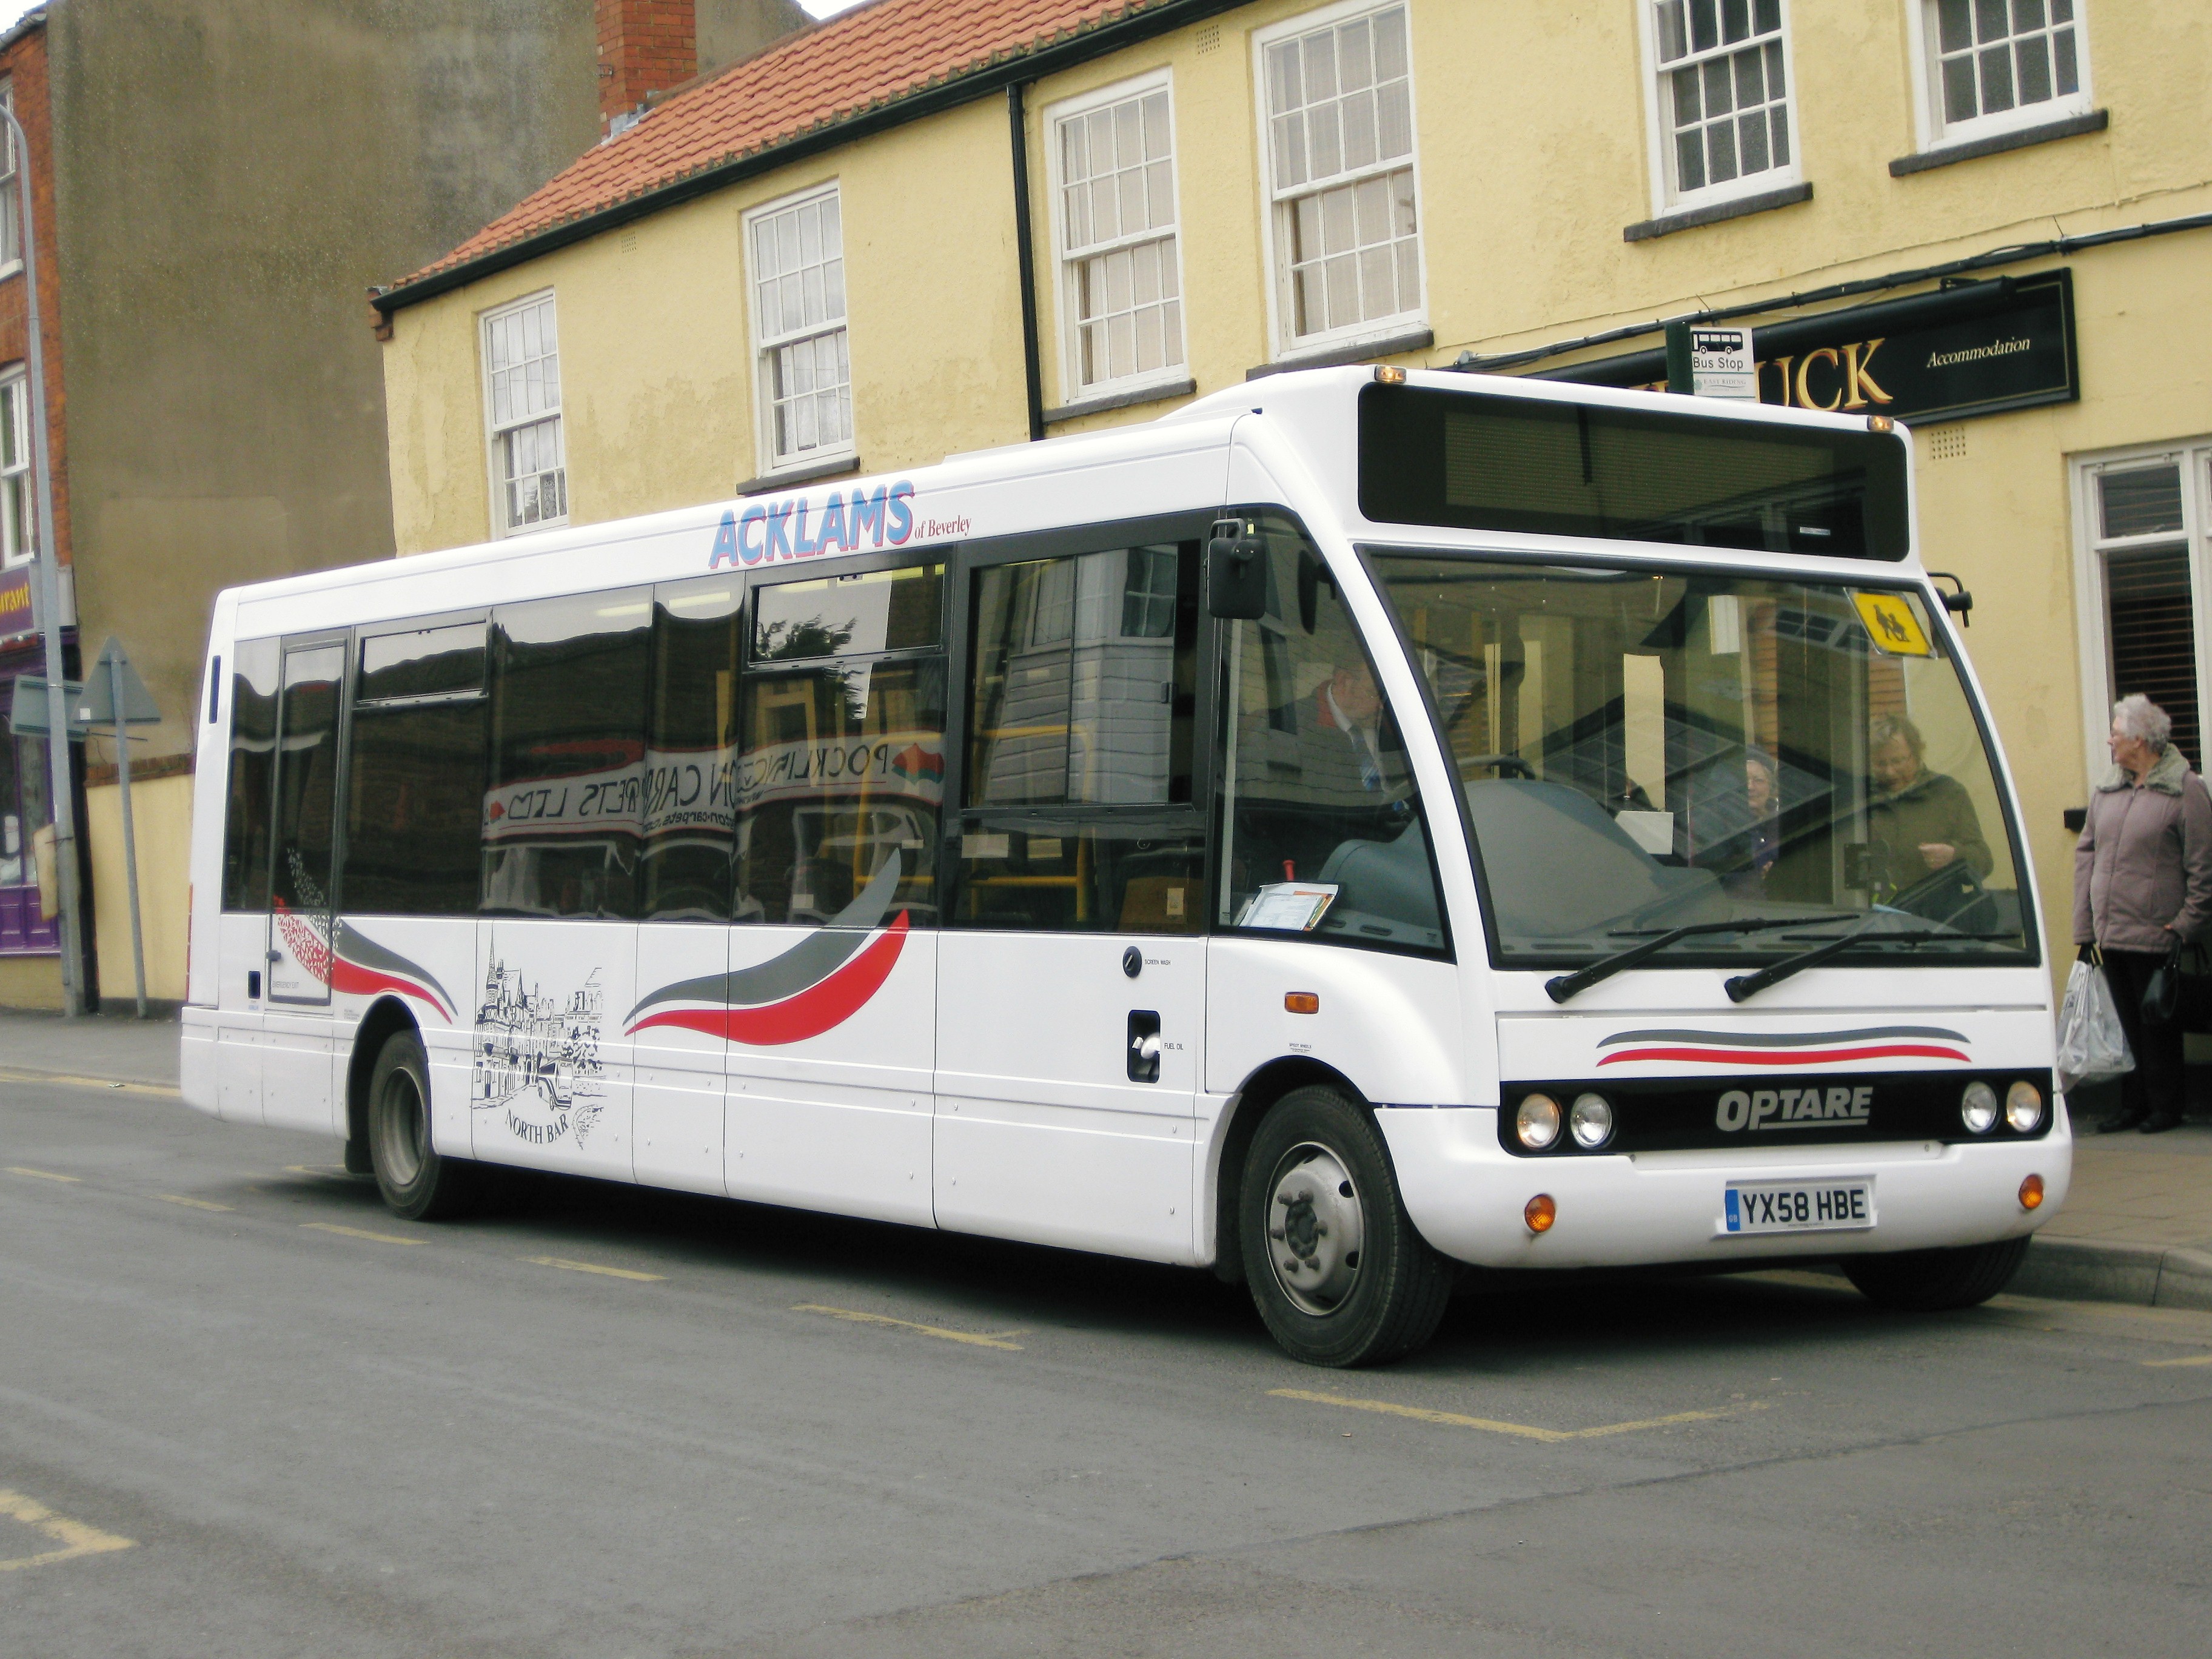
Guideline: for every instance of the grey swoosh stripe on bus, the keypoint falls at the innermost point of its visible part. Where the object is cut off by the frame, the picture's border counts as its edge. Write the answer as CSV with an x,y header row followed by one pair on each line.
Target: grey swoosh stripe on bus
x,y
357,947
1783,1039
807,962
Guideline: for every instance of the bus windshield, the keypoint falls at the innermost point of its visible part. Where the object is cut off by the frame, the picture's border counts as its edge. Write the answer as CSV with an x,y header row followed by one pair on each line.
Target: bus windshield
x,y
1647,749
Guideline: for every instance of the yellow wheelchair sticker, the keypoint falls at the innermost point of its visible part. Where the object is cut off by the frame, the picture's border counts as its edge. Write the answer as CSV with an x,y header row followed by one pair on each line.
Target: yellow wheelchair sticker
x,y
1893,625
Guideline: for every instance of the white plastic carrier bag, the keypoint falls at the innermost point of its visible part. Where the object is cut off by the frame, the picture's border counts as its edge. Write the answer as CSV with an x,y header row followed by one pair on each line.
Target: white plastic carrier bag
x,y
2091,1042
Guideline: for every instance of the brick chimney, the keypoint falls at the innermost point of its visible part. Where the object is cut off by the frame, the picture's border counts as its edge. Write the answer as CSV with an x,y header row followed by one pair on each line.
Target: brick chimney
x,y
645,47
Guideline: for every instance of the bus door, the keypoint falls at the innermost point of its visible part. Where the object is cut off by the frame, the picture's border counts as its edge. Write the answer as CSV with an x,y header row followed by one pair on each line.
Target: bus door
x,y
829,1003
1071,999
298,1051
242,931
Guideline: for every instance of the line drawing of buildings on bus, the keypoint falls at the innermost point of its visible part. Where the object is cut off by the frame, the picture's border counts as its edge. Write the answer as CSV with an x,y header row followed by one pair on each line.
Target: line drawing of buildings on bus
x,y
539,1057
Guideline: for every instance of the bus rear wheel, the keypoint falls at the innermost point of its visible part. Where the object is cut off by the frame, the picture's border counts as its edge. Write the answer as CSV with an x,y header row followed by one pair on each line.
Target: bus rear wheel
x,y
1936,1281
418,1184
1338,1272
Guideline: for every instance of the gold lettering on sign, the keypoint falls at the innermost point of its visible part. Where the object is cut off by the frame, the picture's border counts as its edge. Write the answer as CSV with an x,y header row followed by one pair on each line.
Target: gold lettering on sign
x,y
1805,398
1859,385
1759,371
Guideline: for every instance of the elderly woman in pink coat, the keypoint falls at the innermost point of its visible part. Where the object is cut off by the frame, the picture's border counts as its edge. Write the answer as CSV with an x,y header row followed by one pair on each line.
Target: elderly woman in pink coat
x,y
2143,888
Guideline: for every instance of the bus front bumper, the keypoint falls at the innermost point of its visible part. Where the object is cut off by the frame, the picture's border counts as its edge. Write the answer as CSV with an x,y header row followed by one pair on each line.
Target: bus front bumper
x,y
1468,1197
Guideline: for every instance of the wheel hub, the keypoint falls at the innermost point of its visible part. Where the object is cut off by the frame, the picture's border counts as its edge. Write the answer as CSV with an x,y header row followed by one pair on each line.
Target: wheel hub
x,y
1315,1229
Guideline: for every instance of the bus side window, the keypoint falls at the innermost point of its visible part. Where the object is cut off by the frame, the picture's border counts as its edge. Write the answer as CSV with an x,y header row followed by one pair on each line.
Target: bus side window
x,y
690,750
1079,814
1322,831
564,815
416,787
840,768
248,808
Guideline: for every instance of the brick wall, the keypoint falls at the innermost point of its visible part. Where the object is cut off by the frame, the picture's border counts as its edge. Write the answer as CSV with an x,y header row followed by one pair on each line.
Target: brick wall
x,y
645,47
23,65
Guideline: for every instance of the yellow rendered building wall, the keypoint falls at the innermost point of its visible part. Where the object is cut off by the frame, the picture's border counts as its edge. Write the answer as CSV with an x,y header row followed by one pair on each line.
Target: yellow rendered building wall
x,y
1535,139
162,827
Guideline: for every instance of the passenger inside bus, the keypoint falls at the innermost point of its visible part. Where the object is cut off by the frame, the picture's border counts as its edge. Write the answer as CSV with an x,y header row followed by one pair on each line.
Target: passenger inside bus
x,y
1923,821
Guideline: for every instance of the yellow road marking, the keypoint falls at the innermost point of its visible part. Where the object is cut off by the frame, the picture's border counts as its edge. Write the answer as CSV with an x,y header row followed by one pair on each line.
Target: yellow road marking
x,y
2193,1359
567,1265
973,1338
1525,1431
309,1169
74,1537
360,1232
12,1075
43,1175
192,1203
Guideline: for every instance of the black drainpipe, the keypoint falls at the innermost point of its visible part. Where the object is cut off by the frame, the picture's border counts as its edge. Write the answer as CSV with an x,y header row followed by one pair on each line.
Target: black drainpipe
x,y
1025,258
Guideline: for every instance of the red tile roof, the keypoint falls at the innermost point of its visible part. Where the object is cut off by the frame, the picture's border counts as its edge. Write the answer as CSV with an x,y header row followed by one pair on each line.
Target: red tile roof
x,y
863,60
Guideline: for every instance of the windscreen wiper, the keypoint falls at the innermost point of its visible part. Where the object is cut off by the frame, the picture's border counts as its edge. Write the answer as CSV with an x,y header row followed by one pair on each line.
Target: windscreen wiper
x,y
1750,985
1566,985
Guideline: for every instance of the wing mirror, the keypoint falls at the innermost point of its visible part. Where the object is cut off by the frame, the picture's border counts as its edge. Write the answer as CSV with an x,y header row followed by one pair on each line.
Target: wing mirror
x,y
1237,572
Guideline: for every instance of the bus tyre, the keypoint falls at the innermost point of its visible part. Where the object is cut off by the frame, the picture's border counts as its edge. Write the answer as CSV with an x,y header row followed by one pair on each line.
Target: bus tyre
x,y
418,1184
1336,1269
1934,1281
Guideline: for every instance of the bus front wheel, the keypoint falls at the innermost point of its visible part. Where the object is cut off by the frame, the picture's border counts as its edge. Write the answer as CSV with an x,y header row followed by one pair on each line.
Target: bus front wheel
x,y
1339,1274
1936,1281
417,1182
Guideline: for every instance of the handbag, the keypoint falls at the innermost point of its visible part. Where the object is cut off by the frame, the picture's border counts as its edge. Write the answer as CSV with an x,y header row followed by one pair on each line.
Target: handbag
x,y
2179,991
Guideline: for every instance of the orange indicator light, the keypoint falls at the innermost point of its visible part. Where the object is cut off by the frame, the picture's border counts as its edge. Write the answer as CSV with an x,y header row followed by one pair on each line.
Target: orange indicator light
x,y
1539,1212
1301,1002
1390,374
2031,1192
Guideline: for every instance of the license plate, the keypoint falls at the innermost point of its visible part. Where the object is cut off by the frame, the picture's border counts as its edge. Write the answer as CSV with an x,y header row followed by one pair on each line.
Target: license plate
x,y
1797,1206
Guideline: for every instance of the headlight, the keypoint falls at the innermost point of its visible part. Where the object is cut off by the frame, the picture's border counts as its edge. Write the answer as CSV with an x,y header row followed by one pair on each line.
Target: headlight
x,y
1537,1122
1977,1107
2024,1106
1591,1121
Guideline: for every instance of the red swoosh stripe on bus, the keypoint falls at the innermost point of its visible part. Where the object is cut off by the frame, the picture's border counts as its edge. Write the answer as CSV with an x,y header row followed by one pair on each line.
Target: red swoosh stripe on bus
x,y
820,1007
354,981
1789,1056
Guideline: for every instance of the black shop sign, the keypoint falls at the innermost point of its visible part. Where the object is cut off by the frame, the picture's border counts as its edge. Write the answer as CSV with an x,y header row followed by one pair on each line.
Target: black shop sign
x,y
1978,349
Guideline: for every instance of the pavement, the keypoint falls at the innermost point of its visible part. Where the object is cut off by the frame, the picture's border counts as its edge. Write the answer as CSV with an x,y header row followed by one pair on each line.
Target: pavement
x,y
2137,1228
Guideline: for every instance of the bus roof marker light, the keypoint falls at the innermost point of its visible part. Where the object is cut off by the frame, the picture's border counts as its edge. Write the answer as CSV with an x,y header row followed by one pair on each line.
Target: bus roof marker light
x,y
1390,374
1881,424
2031,1192
1539,1212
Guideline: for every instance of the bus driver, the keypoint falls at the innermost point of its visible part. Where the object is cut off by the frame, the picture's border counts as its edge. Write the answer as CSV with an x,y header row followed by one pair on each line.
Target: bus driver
x,y
1923,820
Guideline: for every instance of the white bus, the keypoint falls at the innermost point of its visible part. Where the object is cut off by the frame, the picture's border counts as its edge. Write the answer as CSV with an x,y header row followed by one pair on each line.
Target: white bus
x,y
1361,826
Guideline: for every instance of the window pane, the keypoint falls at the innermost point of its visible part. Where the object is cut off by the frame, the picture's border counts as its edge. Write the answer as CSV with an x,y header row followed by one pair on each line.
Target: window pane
x,y
1959,100
897,609
690,751
2034,71
307,779
569,684
249,804
840,778
422,662
1323,832
1673,41
415,808
2069,76
1074,698
2143,502
2154,641
1996,79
